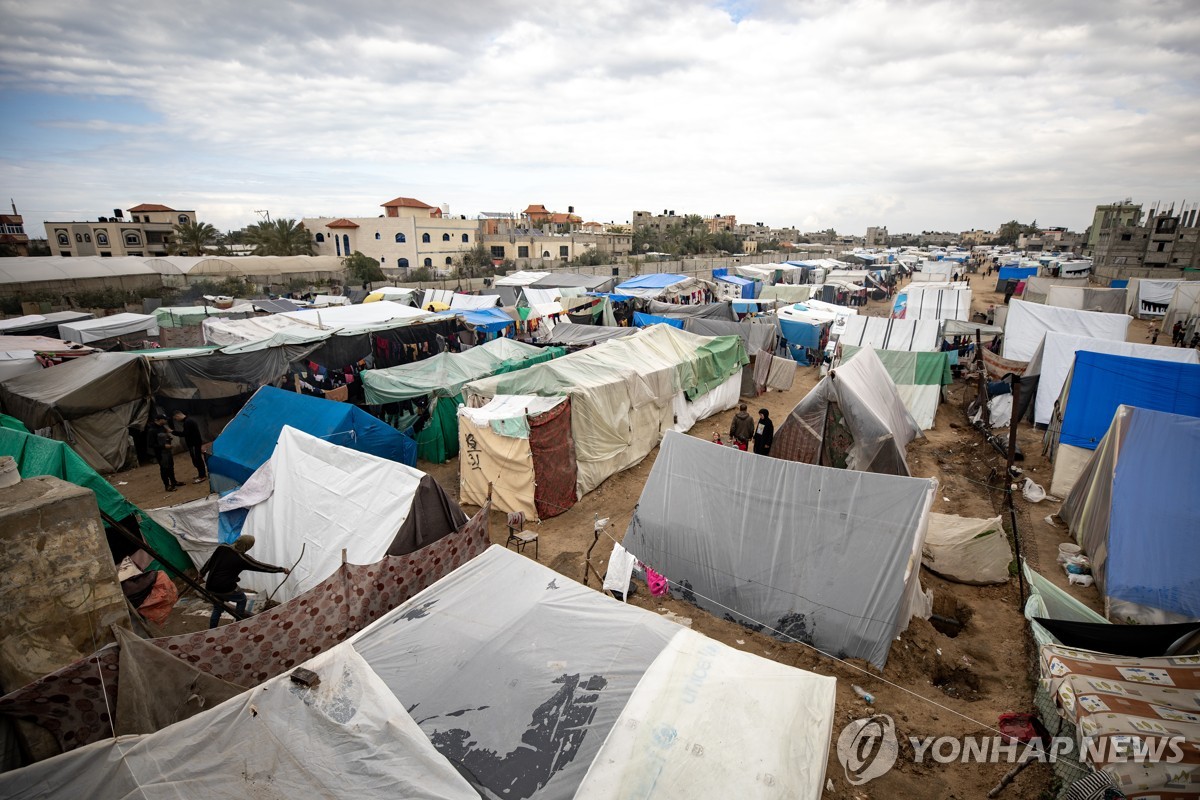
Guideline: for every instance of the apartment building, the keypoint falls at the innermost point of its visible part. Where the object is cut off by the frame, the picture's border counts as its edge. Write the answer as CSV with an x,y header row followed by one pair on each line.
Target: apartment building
x,y
1128,245
147,232
1111,215
537,245
409,234
13,239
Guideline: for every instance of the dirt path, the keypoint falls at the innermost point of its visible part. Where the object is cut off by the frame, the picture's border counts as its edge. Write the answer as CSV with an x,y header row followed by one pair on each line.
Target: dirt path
x,y
933,684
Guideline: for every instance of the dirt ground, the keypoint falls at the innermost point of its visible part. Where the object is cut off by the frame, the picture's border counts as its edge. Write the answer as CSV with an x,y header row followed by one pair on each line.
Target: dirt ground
x,y
933,684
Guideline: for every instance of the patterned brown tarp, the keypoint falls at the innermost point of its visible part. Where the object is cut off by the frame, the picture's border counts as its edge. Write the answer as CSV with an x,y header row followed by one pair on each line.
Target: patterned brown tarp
x,y
75,703
554,466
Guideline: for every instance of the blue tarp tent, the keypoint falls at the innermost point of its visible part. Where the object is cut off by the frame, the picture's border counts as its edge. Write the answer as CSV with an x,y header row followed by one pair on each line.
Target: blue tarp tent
x,y
488,320
1136,512
1100,382
803,334
641,320
1014,274
249,438
748,287
657,280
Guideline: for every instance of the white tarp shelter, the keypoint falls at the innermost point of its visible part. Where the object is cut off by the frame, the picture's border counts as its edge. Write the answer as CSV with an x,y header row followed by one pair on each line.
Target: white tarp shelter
x,y
1028,323
364,314
86,331
1184,305
1150,297
467,302
936,302
883,333
321,498
1054,359
1087,298
818,555
520,278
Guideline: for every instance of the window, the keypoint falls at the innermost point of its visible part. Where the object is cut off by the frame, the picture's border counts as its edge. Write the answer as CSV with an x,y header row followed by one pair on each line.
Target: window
x,y
106,255
337,244
382,260
498,251
63,240
402,263
65,253
87,237
545,254
346,243
449,261
523,251
466,237
320,237
425,240
428,261
563,251
132,239
1162,246
445,237
400,238
1125,237
102,238
377,236
79,237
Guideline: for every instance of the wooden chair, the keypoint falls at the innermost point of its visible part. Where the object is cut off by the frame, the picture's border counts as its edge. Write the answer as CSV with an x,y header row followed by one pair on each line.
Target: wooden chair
x,y
518,536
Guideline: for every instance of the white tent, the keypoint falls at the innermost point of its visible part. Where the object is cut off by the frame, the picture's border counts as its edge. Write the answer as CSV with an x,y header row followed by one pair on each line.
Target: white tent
x,y
382,311
311,500
85,331
967,550
882,333
1185,304
937,302
1054,358
468,302
1150,297
1028,323
521,278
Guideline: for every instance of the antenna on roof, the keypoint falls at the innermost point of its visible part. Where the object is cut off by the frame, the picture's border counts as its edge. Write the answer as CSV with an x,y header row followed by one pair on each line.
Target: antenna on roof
x,y
265,213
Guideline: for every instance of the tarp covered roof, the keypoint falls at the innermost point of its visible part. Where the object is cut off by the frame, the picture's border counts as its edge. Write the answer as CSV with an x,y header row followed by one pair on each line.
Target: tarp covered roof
x,y
538,687
919,378
558,280
93,330
365,314
572,334
444,374
816,555
80,387
249,438
891,334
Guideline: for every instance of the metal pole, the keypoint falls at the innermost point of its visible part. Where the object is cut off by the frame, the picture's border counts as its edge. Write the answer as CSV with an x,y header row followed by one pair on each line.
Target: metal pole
x,y
1008,484
982,372
144,545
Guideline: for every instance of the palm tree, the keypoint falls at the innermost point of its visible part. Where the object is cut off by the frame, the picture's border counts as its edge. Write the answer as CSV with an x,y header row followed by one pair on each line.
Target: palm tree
x,y
281,237
192,238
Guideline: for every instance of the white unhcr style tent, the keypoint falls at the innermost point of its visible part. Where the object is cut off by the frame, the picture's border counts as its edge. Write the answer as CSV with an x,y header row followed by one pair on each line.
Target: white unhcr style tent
x,y
1028,323
823,556
86,331
891,334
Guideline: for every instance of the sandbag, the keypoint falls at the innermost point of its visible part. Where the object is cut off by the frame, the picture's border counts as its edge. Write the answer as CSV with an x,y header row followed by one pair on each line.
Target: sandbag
x,y
967,550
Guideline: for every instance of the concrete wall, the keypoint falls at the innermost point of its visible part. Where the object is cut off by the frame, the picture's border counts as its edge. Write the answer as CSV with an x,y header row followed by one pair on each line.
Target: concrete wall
x,y
60,592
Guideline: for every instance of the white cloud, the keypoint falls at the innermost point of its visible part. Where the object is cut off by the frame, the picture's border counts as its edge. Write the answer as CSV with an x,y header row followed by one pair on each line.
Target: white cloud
x,y
916,115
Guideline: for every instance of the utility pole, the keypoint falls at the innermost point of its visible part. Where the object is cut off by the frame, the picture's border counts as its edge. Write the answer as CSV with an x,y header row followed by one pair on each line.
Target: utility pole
x,y
264,212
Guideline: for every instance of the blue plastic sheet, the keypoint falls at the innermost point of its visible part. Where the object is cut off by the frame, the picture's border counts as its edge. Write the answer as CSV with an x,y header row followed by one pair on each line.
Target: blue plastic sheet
x,y
641,320
800,333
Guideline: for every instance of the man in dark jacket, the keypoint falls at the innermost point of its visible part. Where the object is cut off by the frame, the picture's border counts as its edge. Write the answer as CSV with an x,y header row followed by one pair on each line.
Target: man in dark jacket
x,y
741,430
163,442
190,432
224,567
764,434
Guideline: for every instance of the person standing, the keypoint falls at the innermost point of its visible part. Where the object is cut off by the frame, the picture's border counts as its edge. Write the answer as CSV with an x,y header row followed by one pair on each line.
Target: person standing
x,y
741,430
224,567
163,439
1177,335
764,434
190,432
1154,333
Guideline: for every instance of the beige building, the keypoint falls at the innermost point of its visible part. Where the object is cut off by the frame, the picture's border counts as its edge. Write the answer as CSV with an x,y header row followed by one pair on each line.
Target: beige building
x,y
410,234
536,246
147,232
973,237
1110,216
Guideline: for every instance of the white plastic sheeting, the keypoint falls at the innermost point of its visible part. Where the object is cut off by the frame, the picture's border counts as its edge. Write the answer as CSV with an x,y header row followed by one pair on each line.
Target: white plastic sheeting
x,y
891,334
194,524
825,556
1028,323
240,331
529,683
1057,355
967,550
1185,304
722,398
279,740
937,302
468,302
320,498
636,759
93,330
354,316
1149,297
521,278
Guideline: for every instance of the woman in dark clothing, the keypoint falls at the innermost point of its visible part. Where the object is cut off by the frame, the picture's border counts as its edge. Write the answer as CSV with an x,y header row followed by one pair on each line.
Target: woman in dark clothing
x,y
764,433
223,569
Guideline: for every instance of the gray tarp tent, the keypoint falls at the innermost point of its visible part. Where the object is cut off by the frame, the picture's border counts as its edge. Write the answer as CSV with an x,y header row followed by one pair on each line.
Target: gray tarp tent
x,y
757,334
853,419
722,310
571,334
823,556
565,280
89,403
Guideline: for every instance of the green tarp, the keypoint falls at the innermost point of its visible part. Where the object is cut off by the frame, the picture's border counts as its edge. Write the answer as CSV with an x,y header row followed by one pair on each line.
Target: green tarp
x,y
441,378
911,368
37,455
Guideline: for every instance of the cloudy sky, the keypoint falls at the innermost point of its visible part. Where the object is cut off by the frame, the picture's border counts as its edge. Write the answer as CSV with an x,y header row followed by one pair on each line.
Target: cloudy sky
x,y
915,115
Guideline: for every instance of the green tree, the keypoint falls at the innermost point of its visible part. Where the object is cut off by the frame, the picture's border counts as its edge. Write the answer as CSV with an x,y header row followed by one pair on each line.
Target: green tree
x,y
590,257
727,242
476,262
362,268
281,237
193,239
1008,233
